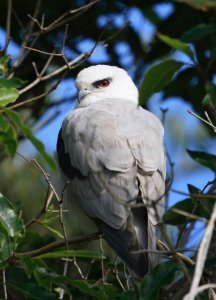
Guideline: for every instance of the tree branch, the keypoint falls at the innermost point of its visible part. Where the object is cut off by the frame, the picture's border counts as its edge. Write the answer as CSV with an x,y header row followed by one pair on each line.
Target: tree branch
x,y
76,242
201,257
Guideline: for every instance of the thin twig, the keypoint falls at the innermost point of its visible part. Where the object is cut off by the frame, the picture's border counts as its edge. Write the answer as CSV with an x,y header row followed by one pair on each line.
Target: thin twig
x,y
43,211
27,35
4,285
115,272
207,286
175,255
203,120
76,242
8,24
213,196
47,178
166,252
201,257
208,183
64,18
189,216
72,64
102,259
61,221
78,268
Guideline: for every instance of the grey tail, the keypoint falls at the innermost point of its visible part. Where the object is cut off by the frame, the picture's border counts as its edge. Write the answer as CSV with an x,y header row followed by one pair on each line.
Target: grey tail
x,y
136,236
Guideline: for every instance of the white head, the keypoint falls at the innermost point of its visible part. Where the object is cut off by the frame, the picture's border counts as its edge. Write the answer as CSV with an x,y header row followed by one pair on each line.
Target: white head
x,y
102,82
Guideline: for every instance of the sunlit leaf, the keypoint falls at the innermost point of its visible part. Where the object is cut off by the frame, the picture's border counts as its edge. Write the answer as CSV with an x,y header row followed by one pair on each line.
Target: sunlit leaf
x,y
176,44
157,77
206,159
14,116
8,95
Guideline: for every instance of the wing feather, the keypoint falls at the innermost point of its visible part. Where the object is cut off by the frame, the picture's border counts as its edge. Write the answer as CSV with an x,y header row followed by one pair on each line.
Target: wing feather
x,y
118,149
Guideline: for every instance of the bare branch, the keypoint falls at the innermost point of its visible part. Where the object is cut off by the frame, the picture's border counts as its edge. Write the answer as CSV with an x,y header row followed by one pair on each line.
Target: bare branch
x,y
76,242
8,24
43,211
4,285
213,196
203,120
47,178
28,33
66,17
201,257
208,286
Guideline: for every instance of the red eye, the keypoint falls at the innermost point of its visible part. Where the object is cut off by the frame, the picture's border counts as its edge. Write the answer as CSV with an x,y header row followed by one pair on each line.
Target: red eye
x,y
104,83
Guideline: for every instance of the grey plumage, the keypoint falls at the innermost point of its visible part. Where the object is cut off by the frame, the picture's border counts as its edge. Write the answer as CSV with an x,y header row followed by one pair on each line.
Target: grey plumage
x,y
116,148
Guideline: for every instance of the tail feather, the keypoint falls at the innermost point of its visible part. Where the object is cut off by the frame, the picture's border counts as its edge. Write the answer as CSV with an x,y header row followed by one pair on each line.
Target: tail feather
x,y
139,234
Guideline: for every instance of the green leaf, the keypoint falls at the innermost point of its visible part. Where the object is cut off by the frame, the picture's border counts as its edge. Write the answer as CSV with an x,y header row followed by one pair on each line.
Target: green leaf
x,y
86,287
33,291
11,83
162,275
157,77
29,264
11,229
129,295
8,95
198,32
210,97
7,137
204,205
53,230
175,215
51,216
10,222
176,44
71,253
200,4
5,249
206,159
14,116
207,100
190,209
4,64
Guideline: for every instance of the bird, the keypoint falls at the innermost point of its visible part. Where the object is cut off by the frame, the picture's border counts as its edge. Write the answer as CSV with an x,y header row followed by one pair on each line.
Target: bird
x,y
111,151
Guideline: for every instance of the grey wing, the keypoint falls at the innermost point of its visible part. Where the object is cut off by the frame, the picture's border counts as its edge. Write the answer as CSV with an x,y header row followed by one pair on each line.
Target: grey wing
x,y
115,152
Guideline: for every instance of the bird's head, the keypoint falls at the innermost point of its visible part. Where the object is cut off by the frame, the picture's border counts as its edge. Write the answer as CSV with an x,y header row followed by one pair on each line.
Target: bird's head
x,y
101,82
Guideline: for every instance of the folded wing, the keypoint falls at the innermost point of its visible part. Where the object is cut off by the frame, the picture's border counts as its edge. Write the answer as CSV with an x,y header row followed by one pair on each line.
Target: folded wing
x,y
113,154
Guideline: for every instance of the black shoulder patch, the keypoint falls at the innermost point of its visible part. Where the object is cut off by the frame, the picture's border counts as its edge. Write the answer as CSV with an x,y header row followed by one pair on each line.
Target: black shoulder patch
x,y
64,160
